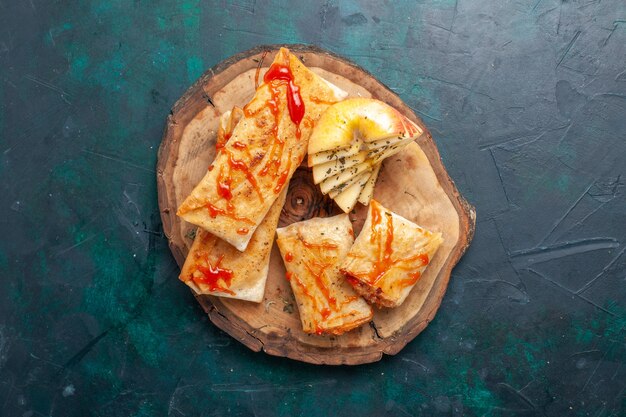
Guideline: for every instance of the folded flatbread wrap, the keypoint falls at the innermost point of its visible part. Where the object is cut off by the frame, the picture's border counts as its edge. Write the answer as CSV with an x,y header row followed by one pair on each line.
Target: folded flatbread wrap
x,y
312,251
389,256
266,147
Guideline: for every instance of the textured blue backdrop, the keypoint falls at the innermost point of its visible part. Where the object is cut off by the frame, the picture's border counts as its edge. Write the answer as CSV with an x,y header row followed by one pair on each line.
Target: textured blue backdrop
x,y
526,100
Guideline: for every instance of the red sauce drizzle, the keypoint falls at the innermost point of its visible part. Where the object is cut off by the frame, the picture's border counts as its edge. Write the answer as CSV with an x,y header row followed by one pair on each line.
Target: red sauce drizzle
x,y
243,230
223,185
295,104
288,257
213,274
242,147
352,281
221,143
214,211
276,76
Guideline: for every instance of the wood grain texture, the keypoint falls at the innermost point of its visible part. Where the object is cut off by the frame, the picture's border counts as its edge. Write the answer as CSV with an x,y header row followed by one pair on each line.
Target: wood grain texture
x,y
413,183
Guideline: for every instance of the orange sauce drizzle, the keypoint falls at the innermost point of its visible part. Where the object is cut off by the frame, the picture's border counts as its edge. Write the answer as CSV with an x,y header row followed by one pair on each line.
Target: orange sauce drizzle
x,y
275,77
274,156
384,254
383,259
225,181
318,100
242,147
294,278
411,280
223,185
283,176
322,245
422,257
215,211
221,143
240,165
308,123
316,269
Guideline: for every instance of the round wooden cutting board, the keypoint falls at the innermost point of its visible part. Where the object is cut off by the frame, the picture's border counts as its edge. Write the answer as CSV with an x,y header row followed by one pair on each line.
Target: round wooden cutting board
x,y
413,183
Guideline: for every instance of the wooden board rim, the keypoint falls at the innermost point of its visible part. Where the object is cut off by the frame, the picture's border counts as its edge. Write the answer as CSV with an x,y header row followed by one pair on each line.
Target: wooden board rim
x,y
166,159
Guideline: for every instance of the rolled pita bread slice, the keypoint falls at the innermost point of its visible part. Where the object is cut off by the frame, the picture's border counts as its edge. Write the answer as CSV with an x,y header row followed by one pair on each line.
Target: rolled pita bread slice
x,y
266,147
312,251
214,267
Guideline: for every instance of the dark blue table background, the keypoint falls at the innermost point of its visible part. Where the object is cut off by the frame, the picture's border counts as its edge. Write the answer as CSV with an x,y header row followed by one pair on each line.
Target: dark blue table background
x,y
526,100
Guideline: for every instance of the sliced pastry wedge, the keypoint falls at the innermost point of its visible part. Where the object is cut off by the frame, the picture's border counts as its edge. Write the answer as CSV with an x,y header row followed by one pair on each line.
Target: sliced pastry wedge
x,y
389,256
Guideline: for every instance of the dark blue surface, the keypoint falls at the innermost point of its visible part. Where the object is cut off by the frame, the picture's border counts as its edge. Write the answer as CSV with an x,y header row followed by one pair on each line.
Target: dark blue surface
x,y
526,101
